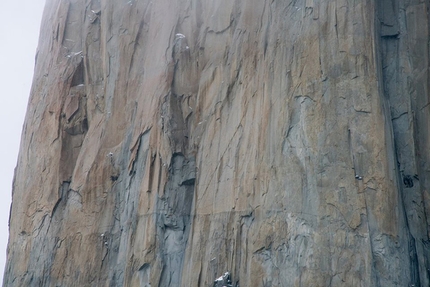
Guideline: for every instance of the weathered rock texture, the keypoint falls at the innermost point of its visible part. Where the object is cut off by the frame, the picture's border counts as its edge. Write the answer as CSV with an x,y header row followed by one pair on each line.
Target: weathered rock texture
x,y
167,142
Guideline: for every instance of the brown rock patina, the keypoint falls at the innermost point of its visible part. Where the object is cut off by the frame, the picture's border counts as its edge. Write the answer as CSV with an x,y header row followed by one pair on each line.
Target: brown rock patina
x,y
169,141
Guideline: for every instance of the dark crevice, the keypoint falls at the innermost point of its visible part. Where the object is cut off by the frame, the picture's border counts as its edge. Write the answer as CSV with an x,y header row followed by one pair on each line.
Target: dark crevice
x,y
62,198
78,76
414,267
408,181
392,28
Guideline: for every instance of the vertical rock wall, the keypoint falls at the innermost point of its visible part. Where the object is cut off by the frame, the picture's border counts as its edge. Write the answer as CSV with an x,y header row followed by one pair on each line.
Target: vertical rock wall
x,y
405,63
167,142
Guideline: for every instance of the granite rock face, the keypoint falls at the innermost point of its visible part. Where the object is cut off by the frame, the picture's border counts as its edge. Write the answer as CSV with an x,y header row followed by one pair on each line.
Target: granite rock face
x,y
168,142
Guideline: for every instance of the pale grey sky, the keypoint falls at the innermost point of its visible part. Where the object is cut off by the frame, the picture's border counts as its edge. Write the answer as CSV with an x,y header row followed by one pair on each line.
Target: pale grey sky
x,y
19,32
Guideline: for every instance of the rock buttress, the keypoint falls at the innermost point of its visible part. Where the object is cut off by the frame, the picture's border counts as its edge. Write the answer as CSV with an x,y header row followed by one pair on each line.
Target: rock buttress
x,y
168,142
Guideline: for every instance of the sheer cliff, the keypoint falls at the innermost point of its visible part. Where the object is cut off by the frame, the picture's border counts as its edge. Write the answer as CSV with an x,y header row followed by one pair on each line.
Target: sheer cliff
x,y
168,142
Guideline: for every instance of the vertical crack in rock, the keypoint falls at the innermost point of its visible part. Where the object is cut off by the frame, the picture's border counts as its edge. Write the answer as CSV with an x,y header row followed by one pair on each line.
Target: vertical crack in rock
x,y
173,219
174,204
405,61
